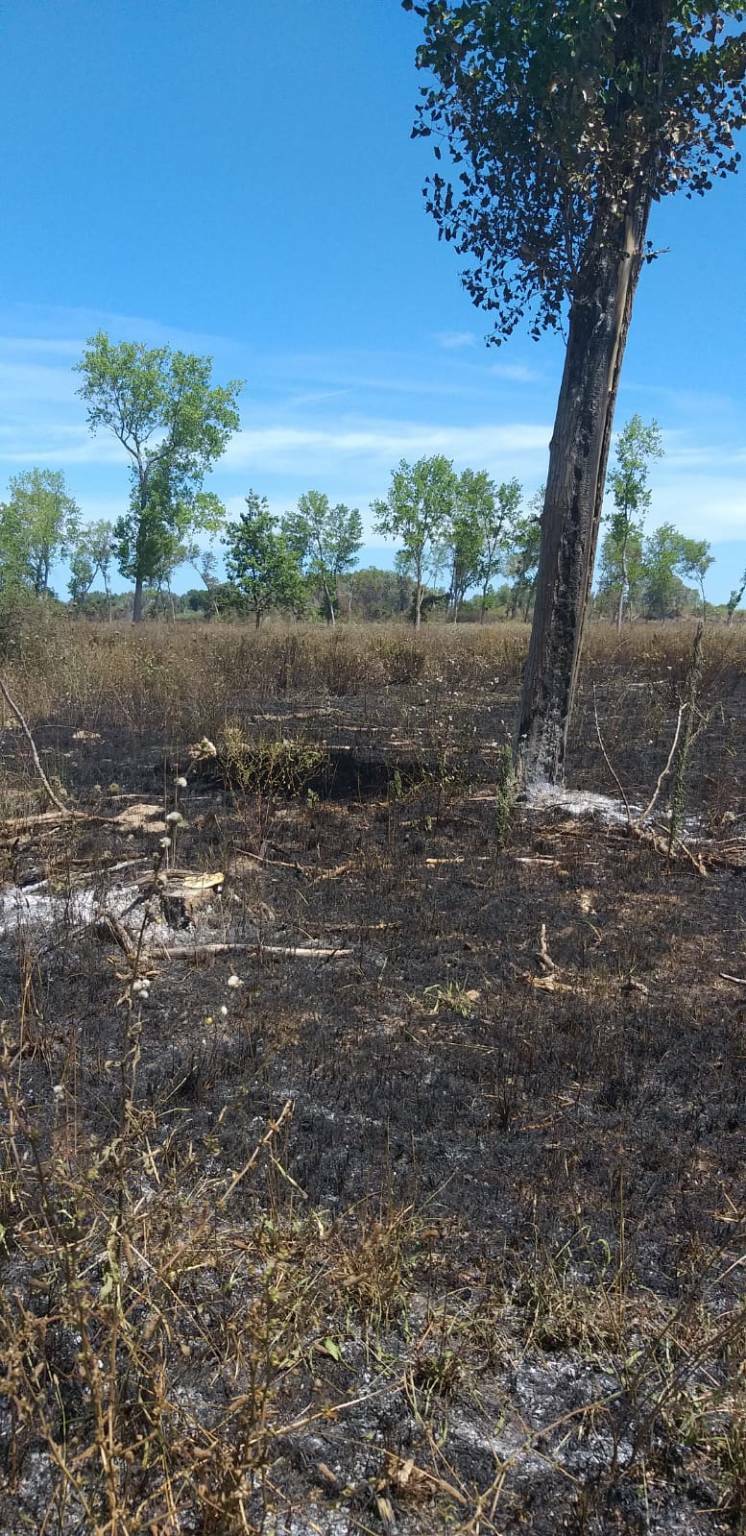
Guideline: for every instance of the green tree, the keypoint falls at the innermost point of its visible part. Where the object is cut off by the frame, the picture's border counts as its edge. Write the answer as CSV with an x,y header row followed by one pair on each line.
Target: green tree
x,y
637,444
693,564
523,564
620,571
500,516
173,424
664,593
260,562
377,594
91,555
14,565
566,120
417,511
479,533
38,525
326,540
735,598
204,562
465,533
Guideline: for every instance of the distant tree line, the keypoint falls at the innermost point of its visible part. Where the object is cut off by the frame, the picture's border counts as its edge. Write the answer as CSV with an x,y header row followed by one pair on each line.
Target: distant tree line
x,y
468,548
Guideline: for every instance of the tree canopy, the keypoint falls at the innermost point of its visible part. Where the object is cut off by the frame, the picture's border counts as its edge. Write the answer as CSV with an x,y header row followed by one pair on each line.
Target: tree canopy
x,y
326,539
417,510
91,556
38,524
551,110
173,423
260,562
621,556
564,121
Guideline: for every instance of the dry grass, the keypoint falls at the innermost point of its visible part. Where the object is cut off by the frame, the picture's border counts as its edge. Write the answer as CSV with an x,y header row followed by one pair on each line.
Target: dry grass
x,y
180,679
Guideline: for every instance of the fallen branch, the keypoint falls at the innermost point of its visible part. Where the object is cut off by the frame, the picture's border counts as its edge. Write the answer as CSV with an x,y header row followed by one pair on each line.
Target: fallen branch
x,y
275,951
542,953
19,824
108,928
738,981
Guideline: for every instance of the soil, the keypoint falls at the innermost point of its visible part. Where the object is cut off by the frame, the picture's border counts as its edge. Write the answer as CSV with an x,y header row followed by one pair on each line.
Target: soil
x,y
535,1051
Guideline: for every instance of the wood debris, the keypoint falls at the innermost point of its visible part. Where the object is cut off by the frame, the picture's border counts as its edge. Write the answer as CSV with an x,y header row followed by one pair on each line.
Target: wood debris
x,y
143,816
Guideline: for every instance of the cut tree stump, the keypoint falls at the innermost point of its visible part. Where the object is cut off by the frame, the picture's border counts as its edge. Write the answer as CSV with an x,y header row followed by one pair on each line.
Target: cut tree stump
x,y
182,898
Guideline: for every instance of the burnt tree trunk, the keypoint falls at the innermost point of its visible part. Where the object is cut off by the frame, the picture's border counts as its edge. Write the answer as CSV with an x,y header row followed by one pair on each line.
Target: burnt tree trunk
x,y
599,322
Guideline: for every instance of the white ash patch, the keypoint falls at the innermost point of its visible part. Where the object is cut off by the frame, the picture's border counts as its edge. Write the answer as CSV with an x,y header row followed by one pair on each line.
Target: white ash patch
x,y
579,802
36,906
39,910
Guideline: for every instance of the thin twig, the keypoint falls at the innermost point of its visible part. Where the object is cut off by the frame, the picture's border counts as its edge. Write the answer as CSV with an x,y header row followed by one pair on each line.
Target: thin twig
x,y
271,1131
13,707
647,813
64,811
608,761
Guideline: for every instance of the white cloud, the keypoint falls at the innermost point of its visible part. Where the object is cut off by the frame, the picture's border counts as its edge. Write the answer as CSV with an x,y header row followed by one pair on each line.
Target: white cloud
x,y
455,341
53,325
680,455
372,439
35,383
701,506
516,373
36,346
28,443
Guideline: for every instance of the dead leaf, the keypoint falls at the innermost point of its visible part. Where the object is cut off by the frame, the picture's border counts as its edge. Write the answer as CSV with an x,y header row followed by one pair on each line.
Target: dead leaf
x,y
386,1514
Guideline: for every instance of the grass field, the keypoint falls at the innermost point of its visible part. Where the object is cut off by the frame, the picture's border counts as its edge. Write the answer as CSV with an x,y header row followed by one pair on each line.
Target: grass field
x,y
394,1183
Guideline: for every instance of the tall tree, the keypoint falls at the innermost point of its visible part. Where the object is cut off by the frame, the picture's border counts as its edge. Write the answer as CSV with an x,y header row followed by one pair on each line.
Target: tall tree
x,y
417,511
38,525
91,556
260,562
665,595
620,570
13,567
523,565
464,537
694,562
567,119
174,424
500,516
637,444
327,541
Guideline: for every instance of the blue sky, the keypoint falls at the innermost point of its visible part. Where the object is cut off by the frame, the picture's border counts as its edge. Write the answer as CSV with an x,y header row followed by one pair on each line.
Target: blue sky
x,y
237,177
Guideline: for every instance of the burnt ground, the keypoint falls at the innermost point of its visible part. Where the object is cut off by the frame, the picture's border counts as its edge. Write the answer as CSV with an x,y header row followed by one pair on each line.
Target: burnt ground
x,y
485,1276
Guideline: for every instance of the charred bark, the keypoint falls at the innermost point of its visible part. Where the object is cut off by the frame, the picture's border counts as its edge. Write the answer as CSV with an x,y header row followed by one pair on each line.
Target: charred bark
x,y
599,322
